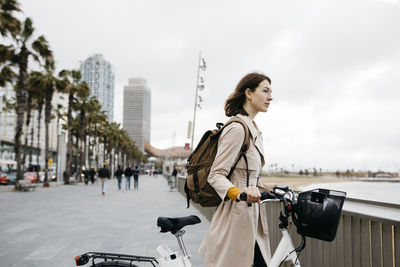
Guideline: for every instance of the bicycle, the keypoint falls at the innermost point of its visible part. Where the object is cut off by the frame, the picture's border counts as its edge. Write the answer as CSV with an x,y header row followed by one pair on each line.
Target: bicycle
x,y
307,211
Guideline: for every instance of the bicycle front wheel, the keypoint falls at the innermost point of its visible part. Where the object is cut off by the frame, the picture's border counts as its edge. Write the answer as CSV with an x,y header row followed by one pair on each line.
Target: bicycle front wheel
x,y
114,264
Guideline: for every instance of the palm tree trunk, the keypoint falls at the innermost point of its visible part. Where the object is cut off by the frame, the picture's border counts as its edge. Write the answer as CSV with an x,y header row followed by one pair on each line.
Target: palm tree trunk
x,y
47,116
46,161
58,148
21,91
88,146
85,150
97,143
77,154
69,150
82,147
80,157
28,120
110,157
31,150
40,107
104,148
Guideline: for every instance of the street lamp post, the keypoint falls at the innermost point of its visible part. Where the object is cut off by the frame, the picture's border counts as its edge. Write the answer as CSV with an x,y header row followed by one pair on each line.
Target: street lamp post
x,y
199,85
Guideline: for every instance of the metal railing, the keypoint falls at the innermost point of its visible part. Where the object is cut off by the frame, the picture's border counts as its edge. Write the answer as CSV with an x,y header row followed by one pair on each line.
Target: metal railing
x,y
363,239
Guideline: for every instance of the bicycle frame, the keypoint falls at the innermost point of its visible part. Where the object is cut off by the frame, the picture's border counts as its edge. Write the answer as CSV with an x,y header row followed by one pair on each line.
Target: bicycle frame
x,y
285,250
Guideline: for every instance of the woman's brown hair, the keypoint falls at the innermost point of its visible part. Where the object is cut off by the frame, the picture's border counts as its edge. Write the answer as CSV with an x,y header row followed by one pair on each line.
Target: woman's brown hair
x,y
234,103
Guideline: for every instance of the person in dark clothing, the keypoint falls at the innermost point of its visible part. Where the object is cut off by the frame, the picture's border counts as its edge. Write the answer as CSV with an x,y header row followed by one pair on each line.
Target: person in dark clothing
x,y
128,174
85,175
92,174
118,173
65,177
104,175
175,172
136,178
173,177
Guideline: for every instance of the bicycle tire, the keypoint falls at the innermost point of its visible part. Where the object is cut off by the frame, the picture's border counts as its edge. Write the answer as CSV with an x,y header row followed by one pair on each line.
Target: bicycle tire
x,y
114,264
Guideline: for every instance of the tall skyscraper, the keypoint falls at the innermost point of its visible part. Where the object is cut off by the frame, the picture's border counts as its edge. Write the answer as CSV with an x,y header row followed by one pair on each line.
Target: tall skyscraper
x,y
99,74
137,111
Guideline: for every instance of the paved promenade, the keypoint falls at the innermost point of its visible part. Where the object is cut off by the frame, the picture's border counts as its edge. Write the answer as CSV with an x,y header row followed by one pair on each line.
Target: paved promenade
x,y
50,226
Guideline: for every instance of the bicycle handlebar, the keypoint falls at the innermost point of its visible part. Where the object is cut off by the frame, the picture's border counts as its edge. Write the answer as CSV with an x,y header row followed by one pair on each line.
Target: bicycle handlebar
x,y
279,192
264,196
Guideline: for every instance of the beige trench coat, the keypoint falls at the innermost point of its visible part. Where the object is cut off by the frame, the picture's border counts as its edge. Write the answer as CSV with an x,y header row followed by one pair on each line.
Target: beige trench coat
x,y
235,227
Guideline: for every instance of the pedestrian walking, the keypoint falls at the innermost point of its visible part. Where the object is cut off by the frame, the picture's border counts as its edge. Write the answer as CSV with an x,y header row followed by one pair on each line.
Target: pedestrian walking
x,y
104,175
118,173
238,233
136,178
92,174
172,181
85,175
65,177
128,174
174,172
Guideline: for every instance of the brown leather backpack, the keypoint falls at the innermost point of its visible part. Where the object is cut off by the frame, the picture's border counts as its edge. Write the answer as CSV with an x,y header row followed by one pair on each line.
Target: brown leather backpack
x,y
200,161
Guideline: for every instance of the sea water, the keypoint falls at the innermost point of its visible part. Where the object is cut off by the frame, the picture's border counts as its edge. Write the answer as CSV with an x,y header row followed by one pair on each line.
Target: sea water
x,y
375,191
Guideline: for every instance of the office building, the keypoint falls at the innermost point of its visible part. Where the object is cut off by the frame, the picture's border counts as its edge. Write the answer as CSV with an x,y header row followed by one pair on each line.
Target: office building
x,y
99,75
137,111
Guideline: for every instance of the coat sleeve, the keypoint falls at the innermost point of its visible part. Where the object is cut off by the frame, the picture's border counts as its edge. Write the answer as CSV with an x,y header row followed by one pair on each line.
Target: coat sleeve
x,y
229,145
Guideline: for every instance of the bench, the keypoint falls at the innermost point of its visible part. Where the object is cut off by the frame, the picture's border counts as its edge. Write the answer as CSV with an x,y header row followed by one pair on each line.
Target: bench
x,y
72,180
25,185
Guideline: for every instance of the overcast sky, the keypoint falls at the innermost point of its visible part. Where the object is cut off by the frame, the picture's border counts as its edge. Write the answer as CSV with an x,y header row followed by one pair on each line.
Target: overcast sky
x,y
334,65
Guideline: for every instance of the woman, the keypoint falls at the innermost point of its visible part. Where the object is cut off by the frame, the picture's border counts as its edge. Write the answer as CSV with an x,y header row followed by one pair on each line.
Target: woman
x,y
238,234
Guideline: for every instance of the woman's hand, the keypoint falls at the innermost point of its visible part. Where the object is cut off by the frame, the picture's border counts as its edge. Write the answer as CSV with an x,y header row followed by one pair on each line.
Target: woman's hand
x,y
269,186
253,194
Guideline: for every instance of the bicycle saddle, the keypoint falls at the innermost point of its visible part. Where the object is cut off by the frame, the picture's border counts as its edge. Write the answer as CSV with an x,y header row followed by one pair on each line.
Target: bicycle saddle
x,y
174,224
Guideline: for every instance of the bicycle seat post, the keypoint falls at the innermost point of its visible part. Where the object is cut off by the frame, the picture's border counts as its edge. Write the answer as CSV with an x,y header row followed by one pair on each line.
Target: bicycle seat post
x,y
179,238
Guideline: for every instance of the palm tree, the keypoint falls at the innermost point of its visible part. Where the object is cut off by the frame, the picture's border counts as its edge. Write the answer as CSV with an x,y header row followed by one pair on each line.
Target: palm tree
x,y
82,94
93,118
72,78
24,48
75,129
99,119
9,27
39,96
8,23
29,108
59,110
47,83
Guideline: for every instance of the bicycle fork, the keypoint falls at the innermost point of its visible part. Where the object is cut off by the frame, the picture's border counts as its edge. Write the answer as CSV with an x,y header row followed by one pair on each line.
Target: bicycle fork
x,y
285,251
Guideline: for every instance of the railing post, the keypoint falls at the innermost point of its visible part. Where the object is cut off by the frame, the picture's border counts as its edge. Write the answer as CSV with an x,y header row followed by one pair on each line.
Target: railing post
x,y
347,235
397,245
356,240
387,251
376,243
365,243
340,243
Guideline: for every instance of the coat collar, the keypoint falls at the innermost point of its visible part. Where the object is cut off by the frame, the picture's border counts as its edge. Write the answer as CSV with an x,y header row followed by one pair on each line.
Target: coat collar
x,y
255,135
253,129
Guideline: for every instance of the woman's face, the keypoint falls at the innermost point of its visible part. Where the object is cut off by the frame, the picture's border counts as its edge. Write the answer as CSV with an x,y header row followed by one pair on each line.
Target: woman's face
x,y
261,97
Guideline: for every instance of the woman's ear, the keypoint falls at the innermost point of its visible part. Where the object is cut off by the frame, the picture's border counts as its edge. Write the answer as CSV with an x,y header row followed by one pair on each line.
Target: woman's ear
x,y
247,92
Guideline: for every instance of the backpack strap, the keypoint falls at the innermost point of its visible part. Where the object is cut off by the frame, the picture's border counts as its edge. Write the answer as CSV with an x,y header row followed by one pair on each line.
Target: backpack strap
x,y
243,150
